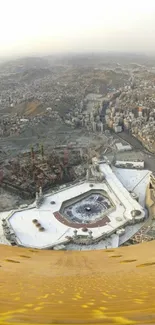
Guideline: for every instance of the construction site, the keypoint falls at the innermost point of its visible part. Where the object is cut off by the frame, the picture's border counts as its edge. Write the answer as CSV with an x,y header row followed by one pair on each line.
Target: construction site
x,y
25,173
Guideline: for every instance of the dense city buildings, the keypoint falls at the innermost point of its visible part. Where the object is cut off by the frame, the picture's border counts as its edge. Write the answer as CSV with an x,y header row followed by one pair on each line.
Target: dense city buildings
x,y
58,119
77,190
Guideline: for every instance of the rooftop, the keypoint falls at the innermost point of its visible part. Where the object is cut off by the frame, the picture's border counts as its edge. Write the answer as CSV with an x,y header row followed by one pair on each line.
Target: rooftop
x,y
102,207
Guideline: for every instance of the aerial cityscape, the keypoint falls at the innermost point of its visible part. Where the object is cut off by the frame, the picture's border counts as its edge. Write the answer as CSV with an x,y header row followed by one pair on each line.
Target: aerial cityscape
x,y
72,131
77,174
77,162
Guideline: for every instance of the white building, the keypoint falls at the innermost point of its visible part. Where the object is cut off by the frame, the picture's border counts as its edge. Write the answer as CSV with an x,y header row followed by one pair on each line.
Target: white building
x,y
96,210
129,164
123,147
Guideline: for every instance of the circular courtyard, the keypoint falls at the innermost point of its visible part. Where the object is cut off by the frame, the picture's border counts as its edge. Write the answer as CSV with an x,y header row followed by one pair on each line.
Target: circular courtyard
x,y
89,209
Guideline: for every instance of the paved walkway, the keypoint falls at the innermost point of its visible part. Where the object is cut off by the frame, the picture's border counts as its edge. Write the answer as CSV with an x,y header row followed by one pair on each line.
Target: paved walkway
x,y
99,223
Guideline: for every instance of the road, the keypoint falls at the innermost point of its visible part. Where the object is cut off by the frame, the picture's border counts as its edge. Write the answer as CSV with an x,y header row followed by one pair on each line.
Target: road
x,y
149,158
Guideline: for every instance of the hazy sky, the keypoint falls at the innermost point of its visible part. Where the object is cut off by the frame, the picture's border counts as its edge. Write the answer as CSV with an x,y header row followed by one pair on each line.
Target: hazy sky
x,y
44,26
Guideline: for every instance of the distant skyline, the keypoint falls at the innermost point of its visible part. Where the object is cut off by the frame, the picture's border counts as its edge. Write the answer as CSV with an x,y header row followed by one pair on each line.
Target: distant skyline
x,y
32,27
